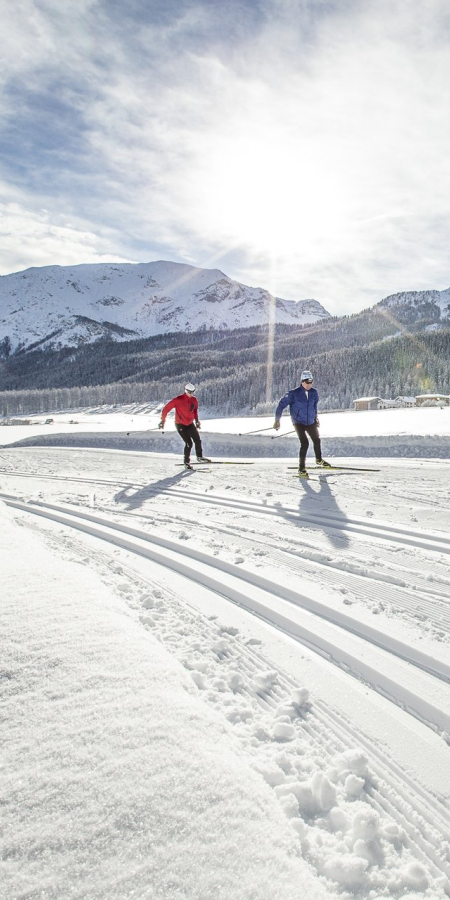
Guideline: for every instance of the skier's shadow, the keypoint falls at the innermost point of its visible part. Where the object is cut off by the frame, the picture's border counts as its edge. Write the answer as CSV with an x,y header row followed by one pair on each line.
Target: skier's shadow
x,y
322,503
137,499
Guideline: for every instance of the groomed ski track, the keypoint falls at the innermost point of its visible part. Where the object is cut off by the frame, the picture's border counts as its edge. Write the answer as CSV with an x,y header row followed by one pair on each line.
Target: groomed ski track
x,y
424,820
416,682
288,610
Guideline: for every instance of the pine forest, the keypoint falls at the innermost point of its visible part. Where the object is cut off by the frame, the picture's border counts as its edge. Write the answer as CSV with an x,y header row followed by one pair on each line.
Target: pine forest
x,y
242,371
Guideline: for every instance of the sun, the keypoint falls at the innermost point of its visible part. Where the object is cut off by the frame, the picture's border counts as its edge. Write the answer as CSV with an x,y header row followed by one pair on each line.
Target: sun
x,y
266,193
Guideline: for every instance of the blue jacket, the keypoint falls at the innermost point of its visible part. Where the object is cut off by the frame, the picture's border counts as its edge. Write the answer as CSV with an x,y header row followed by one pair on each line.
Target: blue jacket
x,y
303,405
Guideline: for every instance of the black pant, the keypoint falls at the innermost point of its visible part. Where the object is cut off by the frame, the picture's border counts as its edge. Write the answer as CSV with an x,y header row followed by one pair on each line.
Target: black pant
x,y
190,436
302,432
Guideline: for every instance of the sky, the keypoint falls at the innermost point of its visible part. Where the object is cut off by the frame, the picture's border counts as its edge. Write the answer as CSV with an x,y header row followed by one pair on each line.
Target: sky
x,y
298,145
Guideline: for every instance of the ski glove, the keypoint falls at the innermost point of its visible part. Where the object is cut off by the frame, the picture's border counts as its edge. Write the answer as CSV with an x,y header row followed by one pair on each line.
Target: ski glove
x,y
317,421
161,424
276,424
197,424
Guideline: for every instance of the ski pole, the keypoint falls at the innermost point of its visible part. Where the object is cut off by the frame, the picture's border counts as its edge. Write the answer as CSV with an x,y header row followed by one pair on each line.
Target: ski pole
x,y
146,431
275,436
258,431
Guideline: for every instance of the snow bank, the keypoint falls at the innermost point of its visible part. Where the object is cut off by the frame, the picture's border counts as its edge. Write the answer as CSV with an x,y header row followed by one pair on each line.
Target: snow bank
x,y
379,433
121,783
434,446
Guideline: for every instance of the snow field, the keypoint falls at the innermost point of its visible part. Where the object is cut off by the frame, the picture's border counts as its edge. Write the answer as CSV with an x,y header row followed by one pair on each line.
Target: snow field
x,y
119,779
362,785
317,800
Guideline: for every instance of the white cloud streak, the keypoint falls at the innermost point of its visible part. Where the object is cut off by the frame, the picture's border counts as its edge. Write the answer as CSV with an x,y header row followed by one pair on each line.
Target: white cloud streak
x,y
48,240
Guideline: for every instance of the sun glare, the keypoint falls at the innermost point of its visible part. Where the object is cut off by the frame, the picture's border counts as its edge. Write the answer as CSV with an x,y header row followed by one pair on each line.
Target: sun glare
x,y
267,195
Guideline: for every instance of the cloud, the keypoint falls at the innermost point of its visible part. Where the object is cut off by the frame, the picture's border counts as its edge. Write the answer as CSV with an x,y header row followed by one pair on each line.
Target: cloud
x,y
45,240
304,143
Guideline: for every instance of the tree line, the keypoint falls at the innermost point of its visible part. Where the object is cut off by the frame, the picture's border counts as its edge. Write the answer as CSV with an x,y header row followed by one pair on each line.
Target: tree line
x,y
245,371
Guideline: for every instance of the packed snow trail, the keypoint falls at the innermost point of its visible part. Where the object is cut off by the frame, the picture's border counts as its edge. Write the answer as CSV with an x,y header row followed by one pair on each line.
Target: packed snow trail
x,y
267,689
267,601
243,538
120,785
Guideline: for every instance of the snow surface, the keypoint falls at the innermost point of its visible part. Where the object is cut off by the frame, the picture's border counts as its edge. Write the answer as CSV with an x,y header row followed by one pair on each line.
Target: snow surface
x,y
225,683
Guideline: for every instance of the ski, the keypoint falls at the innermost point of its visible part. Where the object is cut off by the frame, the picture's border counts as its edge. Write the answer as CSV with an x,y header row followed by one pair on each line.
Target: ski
x,y
336,469
218,462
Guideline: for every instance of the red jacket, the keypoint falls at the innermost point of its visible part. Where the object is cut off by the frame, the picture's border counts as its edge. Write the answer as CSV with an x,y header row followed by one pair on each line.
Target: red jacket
x,y
186,409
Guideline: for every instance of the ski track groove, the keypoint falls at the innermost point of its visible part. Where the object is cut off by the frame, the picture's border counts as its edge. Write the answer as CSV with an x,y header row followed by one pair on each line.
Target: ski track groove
x,y
414,537
370,584
383,529
268,540
402,597
77,479
342,620
429,540
391,792
258,507
408,793
406,806
313,608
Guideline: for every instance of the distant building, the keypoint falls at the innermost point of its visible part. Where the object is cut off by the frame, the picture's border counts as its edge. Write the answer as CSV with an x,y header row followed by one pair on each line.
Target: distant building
x,y
405,401
368,403
432,399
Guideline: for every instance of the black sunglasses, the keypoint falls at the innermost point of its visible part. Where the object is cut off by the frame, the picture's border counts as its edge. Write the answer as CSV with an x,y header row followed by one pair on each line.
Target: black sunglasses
x,y
308,380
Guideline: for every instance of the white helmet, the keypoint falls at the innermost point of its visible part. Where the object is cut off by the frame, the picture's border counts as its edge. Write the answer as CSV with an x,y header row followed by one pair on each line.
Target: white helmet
x,y
306,376
189,387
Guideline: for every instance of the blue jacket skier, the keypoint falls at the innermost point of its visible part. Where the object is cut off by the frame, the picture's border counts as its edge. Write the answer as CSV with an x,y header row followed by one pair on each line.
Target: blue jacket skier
x,y
303,402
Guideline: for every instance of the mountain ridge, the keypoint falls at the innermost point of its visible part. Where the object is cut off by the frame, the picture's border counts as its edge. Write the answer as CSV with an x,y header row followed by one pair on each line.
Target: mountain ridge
x,y
65,306
400,346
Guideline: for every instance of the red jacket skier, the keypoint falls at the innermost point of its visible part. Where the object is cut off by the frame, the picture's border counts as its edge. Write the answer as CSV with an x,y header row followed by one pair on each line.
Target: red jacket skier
x,y
186,423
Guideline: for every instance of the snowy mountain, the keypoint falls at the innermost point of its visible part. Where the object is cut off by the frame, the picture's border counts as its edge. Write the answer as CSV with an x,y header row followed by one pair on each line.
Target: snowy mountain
x,y
429,308
60,306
